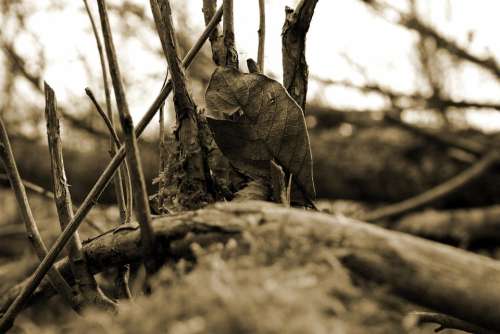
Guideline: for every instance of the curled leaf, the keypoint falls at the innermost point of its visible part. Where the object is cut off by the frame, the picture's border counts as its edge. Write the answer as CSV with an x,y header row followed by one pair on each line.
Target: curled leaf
x,y
254,121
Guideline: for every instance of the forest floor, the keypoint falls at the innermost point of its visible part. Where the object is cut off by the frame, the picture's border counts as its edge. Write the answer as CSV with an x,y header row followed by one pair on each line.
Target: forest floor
x,y
273,282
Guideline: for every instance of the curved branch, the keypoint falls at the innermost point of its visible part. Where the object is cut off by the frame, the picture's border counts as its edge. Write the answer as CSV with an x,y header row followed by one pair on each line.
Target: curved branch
x,y
105,118
7,158
446,322
436,193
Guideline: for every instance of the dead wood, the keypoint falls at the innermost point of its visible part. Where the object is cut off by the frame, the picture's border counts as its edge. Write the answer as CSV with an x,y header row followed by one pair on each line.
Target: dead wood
x,y
444,278
295,69
141,204
444,189
102,182
445,322
33,234
262,35
216,40
230,54
122,184
462,226
192,185
87,285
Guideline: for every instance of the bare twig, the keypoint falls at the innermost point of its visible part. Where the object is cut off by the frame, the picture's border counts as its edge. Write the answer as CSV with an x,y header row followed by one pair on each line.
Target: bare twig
x,y
295,70
415,99
187,131
436,193
104,179
209,7
32,187
49,195
142,211
87,285
122,177
468,146
230,53
262,34
102,60
7,158
414,23
445,322
37,82
105,118
161,148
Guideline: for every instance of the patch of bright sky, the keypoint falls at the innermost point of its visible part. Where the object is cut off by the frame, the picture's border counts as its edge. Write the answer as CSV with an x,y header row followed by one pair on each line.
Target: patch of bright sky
x,y
339,28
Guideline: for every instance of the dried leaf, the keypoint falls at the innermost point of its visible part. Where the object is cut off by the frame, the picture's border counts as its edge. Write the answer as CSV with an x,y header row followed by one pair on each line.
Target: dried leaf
x,y
255,121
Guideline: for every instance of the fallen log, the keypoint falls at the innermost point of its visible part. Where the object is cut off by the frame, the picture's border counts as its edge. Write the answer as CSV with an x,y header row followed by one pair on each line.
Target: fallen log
x,y
462,226
446,279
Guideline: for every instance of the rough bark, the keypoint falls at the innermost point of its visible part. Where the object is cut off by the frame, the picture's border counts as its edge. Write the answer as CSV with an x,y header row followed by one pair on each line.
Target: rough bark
x,y
216,41
192,187
449,280
86,282
141,204
295,70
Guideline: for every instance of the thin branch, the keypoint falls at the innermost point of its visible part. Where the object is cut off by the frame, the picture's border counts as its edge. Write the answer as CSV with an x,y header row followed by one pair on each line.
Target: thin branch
x,y
122,176
295,69
184,105
446,322
436,193
34,281
413,23
32,187
87,284
8,161
469,146
105,118
216,42
230,53
418,99
142,211
262,34
187,131
50,196
102,60
36,82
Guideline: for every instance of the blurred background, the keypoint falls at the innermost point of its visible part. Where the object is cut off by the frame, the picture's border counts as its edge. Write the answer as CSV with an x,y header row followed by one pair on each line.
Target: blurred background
x,y
434,64
403,95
